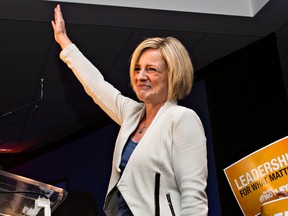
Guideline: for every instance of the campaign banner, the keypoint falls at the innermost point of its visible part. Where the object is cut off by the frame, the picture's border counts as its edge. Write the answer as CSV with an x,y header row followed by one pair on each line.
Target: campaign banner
x,y
277,207
258,177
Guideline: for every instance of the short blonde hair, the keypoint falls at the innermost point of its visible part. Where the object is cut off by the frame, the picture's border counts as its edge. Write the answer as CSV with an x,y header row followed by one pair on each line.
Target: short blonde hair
x,y
177,60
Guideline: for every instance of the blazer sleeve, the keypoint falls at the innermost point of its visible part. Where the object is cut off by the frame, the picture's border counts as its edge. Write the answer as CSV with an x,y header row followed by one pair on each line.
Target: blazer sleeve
x,y
190,163
103,93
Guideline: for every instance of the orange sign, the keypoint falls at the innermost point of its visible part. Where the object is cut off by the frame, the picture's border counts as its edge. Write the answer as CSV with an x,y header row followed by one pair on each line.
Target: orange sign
x,y
275,207
258,177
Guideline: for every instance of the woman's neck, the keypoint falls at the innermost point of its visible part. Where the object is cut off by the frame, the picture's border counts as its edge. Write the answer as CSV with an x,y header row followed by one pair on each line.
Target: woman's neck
x,y
151,111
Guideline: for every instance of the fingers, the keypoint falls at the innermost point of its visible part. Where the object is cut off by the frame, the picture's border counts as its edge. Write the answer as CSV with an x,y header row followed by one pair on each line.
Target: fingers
x,y
57,13
53,25
282,194
53,22
58,23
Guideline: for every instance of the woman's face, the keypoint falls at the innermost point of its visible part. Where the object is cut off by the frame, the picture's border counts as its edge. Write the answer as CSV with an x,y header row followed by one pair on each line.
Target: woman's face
x,y
150,81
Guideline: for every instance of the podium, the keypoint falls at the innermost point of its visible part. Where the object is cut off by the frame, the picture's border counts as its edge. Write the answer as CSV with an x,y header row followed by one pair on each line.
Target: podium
x,y
21,196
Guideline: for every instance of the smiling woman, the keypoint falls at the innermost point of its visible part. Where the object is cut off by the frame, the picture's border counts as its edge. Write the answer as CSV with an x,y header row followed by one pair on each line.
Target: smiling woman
x,y
160,151
173,59
149,78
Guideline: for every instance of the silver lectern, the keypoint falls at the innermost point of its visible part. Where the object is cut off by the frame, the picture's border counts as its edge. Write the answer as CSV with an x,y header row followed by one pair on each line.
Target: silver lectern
x,y
21,196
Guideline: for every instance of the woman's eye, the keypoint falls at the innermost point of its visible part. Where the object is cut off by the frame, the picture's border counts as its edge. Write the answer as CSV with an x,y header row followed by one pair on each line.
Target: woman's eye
x,y
137,69
152,69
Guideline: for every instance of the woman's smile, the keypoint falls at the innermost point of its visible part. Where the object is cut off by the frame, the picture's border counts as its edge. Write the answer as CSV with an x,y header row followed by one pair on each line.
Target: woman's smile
x,y
150,77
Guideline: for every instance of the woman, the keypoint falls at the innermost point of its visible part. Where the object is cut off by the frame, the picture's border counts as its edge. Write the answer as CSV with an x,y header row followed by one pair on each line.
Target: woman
x,y
159,162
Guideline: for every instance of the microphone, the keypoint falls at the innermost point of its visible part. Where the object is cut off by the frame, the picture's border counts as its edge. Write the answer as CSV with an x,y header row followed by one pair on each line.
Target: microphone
x,y
21,108
29,104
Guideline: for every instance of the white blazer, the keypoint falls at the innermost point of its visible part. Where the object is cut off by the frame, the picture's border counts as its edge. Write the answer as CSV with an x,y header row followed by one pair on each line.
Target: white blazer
x,y
167,172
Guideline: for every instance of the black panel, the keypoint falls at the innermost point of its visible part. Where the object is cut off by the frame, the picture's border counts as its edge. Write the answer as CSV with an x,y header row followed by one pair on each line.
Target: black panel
x,y
248,107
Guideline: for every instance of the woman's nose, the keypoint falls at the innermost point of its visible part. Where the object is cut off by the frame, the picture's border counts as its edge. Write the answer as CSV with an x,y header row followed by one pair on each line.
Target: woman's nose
x,y
142,74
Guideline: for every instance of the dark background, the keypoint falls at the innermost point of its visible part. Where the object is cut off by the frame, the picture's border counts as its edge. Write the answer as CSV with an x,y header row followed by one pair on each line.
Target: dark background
x,y
240,92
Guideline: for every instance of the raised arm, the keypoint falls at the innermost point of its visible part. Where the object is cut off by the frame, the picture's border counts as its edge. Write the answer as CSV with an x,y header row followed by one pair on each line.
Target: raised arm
x,y
59,28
